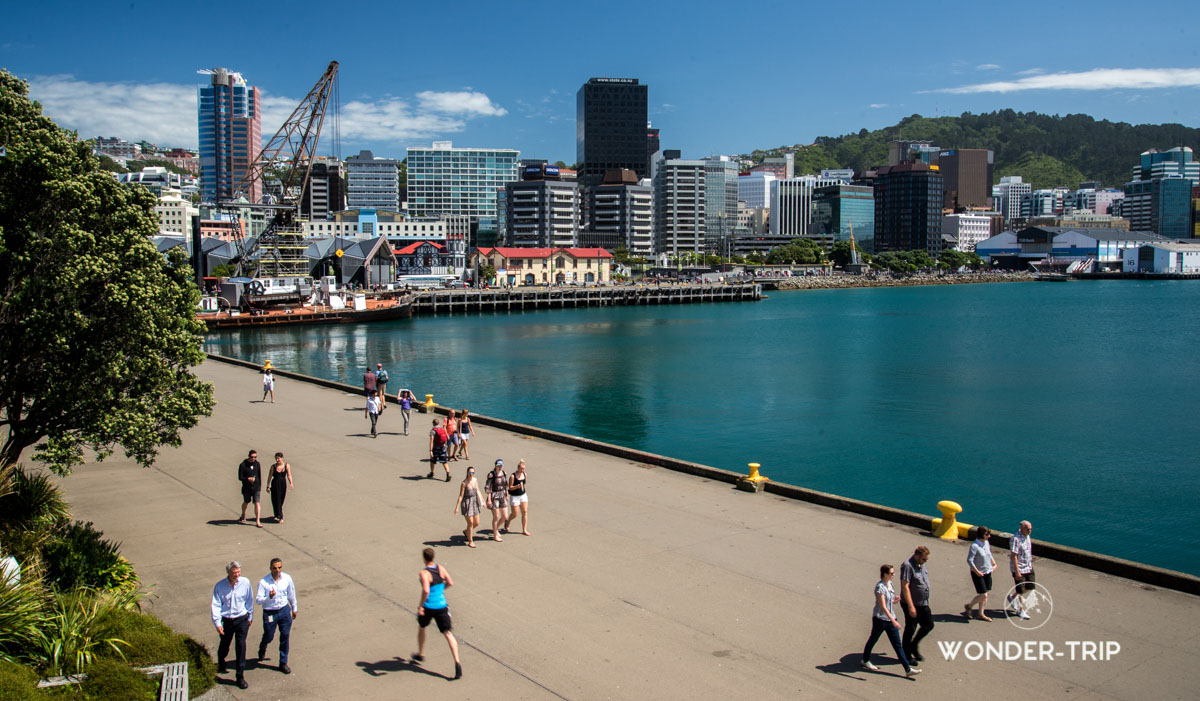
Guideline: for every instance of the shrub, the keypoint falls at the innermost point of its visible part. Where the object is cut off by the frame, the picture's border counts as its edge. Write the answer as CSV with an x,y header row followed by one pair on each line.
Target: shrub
x,y
17,682
116,681
151,642
34,502
79,556
81,625
22,618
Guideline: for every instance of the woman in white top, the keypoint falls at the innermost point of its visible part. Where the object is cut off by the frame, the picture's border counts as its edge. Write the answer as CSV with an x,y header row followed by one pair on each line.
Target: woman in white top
x,y
374,407
883,620
981,562
268,385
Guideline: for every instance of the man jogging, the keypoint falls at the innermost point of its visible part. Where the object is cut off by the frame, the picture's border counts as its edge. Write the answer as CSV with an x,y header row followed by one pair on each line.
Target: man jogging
x,y
433,607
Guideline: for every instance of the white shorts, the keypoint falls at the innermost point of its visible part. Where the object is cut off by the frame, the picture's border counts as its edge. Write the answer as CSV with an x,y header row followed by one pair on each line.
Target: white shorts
x,y
523,499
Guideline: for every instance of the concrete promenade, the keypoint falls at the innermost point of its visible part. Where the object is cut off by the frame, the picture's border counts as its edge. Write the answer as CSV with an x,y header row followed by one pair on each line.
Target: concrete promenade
x,y
637,583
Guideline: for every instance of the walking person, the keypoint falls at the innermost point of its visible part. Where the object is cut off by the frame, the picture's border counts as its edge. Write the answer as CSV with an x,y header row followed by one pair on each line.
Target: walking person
x,y
373,410
883,620
406,399
914,600
437,448
370,380
250,474
278,484
1020,563
497,498
981,562
468,505
232,613
465,431
452,434
433,607
381,380
277,596
268,384
518,500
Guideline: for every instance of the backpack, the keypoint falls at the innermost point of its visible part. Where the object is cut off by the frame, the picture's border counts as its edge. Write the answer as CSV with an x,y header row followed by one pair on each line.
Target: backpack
x,y
439,436
381,376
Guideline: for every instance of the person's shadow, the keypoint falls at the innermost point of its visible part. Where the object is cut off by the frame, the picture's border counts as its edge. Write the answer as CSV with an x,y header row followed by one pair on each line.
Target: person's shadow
x,y
396,664
224,522
848,667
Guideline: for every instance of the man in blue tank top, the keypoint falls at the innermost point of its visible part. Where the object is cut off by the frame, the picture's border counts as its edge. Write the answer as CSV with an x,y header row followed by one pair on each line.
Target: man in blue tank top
x,y
433,607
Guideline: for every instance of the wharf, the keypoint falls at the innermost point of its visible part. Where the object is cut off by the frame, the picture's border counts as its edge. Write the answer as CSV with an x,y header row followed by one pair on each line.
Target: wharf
x,y
638,582
519,298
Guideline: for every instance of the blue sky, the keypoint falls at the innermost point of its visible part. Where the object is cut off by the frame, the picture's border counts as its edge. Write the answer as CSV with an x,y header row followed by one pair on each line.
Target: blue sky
x,y
724,77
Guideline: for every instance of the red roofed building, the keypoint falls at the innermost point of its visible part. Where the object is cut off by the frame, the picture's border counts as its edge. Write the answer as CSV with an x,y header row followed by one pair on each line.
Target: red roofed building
x,y
423,258
516,267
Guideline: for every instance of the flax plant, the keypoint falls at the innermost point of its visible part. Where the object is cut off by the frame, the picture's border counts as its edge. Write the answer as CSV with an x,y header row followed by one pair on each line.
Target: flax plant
x,y
80,625
22,617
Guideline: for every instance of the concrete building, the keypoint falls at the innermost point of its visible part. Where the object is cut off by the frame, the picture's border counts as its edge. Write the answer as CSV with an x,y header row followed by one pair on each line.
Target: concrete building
x,y
1104,248
1160,164
903,150
610,128
781,167
967,229
841,210
230,124
459,181
754,188
517,267
1008,195
156,179
621,211
1163,257
542,211
1096,200
372,182
175,213
325,192
680,206
908,208
792,206
967,177
116,148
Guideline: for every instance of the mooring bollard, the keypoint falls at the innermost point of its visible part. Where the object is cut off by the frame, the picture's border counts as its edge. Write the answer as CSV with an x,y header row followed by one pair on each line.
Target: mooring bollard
x,y
754,481
948,527
427,407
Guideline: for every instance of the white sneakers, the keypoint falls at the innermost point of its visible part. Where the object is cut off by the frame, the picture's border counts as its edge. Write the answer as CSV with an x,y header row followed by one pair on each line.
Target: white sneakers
x,y
868,666
912,672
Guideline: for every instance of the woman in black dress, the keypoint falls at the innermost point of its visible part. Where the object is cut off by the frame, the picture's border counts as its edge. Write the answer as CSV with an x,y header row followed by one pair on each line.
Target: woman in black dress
x,y
277,485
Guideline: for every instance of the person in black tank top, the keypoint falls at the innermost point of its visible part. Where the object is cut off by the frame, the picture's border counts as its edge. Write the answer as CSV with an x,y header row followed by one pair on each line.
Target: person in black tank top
x,y
518,499
497,498
277,485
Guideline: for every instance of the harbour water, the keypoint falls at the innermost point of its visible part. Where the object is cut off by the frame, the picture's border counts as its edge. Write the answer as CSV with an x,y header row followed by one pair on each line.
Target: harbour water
x,y
1072,405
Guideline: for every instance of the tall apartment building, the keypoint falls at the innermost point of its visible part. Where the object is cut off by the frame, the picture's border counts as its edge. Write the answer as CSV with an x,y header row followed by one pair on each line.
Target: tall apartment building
x,y
841,210
1008,195
967,173
325,192
679,206
720,200
1095,199
610,128
459,181
620,213
230,122
372,183
543,211
908,208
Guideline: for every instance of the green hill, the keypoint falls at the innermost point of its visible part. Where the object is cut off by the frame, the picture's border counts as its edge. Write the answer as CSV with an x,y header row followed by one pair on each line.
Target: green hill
x,y
1047,150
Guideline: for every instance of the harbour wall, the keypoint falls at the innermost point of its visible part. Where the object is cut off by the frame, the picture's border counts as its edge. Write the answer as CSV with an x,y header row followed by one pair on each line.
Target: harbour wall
x,y
1137,571
838,282
520,298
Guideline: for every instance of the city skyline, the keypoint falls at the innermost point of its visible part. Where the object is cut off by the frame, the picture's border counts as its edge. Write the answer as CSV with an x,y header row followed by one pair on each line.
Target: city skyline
x,y
495,78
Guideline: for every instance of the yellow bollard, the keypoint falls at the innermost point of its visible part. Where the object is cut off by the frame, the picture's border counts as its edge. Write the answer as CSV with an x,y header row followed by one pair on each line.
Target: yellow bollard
x,y
268,366
754,481
947,527
428,406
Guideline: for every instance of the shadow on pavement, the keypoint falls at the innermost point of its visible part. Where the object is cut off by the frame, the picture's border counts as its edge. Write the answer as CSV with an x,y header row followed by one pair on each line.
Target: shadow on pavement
x,y
227,522
848,667
396,664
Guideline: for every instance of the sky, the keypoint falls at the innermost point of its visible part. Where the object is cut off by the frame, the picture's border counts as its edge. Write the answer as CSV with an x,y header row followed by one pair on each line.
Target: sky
x,y
724,78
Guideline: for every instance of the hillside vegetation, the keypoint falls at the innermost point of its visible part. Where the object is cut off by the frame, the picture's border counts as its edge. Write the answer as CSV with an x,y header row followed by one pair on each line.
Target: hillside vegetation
x,y
1046,150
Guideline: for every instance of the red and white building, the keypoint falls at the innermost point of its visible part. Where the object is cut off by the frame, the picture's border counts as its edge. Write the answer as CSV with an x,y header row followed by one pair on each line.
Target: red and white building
x,y
424,258
516,267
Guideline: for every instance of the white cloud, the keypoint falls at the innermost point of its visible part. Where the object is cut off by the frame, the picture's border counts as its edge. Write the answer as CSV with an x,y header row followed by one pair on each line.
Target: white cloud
x,y
1098,79
987,67
878,105
165,113
467,103
1032,71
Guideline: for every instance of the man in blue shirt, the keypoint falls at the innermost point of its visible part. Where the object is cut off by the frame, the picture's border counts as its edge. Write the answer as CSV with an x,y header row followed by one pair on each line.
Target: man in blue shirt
x,y
232,612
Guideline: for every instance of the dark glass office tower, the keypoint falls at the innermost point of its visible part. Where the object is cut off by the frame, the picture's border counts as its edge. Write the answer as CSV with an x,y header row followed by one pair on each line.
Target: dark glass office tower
x,y
610,128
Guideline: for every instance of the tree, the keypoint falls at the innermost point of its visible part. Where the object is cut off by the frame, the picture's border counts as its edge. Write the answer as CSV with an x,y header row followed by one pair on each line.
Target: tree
x,y
802,251
840,254
487,273
100,333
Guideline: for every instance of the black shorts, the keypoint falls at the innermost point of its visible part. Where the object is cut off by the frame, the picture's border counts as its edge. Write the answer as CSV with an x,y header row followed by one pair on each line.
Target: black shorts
x,y
982,584
1024,582
439,454
250,494
442,616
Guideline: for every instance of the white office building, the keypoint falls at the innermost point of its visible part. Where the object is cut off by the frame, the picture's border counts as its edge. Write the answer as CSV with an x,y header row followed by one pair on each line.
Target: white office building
x,y
792,205
679,206
967,229
1008,195
459,181
372,183
755,189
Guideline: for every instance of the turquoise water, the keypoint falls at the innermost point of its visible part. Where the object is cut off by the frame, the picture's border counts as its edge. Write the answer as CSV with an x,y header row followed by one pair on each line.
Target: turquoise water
x,y
1071,405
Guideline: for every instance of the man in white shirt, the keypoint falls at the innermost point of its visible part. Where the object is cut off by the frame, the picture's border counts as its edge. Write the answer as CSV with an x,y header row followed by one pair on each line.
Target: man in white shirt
x,y
232,613
1020,563
277,596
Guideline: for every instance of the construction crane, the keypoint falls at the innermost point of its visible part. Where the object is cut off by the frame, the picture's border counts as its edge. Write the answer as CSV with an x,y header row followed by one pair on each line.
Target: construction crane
x,y
289,156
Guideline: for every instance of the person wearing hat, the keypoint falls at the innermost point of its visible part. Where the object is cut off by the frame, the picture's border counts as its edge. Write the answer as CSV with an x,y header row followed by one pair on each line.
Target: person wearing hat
x,y
497,499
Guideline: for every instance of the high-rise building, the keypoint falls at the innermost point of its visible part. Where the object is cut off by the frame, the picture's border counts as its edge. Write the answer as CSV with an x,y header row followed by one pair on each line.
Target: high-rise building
x,y
792,205
1007,197
1158,164
908,208
325,192
720,201
230,122
652,146
464,181
840,210
754,188
967,173
543,211
610,128
620,213
902,150
1159,198
372,183
679,206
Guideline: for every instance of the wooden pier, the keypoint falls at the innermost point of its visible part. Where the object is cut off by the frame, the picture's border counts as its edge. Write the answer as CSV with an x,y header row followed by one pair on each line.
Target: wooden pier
x,y
520,298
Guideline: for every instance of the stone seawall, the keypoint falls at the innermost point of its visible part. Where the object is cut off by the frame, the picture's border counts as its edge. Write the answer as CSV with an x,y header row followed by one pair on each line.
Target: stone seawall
x,y
843,281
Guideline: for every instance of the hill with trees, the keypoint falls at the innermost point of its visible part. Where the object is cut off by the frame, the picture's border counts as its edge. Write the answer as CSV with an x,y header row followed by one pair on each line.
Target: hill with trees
x,y
1046,150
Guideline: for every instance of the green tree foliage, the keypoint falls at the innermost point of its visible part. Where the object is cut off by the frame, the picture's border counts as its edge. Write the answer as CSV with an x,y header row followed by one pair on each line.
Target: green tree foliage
x,y
1044,172
100,332
803,251
903,262
952,259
